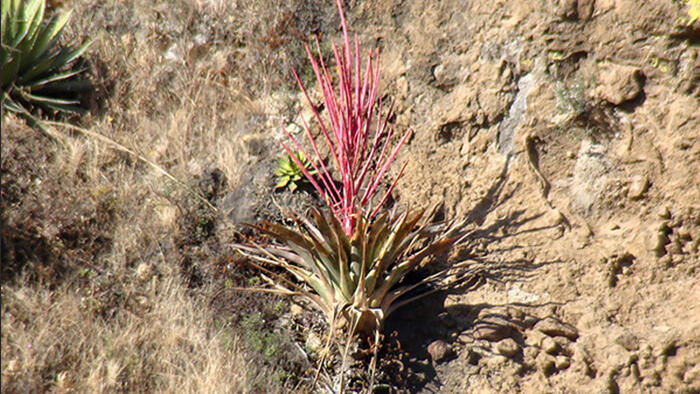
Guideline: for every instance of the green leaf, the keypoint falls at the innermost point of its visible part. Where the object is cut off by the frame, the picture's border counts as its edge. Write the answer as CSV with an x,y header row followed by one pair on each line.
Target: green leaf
x,y
39,68
53,78
49,36
281,182
5,19
35,13
48,100
71,85
9,71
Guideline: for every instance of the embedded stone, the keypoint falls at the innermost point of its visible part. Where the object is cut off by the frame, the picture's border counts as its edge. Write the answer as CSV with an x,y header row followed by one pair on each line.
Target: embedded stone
x,y
555,328
508,347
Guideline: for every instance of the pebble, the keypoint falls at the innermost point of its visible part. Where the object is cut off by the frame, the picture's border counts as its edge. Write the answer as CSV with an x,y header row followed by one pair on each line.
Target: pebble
x,y
549,346
530,353
492,332
628,341
562,362
683,233
692,246
659,241
677,259
508,347
674,246
439,350
634,371
295,309
555,328
314,343
639,186
666,262
144,272
534,338
546,364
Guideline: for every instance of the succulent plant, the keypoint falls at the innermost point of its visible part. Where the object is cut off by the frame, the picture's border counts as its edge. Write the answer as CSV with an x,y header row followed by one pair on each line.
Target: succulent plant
x,y
35,70
288,173
355,278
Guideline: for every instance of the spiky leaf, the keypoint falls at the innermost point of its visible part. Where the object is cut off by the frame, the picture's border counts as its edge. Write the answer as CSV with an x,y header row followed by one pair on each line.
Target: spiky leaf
x,y
35,71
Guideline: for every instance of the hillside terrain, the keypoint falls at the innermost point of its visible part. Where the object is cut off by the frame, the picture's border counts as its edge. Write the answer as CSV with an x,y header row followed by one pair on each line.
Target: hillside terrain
x,y
564,133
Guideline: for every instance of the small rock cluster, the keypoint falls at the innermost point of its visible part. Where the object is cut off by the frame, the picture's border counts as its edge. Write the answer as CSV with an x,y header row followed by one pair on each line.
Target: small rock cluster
x,y
672,240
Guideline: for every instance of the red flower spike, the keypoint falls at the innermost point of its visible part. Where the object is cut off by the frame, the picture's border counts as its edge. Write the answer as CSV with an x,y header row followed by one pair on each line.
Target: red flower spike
x,y
360,161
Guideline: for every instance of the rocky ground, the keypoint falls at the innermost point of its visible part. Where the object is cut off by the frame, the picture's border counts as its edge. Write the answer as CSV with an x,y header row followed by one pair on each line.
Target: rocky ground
x,y
566,132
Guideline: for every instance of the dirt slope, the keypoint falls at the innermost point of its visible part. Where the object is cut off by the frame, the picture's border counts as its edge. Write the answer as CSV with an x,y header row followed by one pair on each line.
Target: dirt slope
x,y
569,133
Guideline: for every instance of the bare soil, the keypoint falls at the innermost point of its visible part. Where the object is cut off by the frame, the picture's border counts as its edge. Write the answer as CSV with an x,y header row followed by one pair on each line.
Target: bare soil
x,y
569,133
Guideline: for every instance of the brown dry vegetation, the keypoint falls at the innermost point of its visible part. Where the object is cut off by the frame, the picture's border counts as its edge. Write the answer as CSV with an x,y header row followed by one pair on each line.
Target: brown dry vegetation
x,y
107,264
116,278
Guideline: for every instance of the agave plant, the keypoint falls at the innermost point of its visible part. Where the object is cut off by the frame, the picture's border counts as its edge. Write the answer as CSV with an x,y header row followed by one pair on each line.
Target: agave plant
x,y
35,70
355,278
288,172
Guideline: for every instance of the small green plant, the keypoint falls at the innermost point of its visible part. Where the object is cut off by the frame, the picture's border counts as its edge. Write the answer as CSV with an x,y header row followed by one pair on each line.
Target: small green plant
x,y
259,338
35,70
693,11
288,172
572,99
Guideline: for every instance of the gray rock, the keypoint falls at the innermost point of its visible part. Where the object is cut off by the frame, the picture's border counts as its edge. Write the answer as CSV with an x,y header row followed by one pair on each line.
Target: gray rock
x,y
516,114
590,177
255,197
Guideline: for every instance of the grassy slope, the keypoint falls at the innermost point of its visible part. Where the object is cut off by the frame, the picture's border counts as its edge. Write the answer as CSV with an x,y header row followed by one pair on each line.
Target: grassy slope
x,y
107,264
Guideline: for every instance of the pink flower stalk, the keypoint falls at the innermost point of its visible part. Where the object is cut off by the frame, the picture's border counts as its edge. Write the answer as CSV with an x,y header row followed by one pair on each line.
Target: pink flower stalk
x,y
360,161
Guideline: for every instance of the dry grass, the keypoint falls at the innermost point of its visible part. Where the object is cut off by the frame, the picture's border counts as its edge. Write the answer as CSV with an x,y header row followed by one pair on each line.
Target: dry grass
x,y
99,249
157,341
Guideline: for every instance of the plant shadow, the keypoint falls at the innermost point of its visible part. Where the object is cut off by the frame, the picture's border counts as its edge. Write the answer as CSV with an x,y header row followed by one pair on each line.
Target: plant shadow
x,y
428,320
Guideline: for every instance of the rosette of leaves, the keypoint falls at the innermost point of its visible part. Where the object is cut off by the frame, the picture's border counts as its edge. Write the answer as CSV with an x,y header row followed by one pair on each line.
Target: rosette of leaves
x,y
354,279
35,70
288,173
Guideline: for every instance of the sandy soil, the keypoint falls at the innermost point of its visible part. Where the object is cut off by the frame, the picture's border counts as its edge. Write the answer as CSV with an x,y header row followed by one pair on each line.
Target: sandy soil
x,y
568,132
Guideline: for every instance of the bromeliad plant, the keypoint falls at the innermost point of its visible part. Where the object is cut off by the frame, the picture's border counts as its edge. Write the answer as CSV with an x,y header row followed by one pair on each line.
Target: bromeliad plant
x,y
361,159
355,279
35,70
355,258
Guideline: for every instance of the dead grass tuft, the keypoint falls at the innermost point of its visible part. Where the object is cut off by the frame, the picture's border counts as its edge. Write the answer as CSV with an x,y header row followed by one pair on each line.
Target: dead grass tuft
x,y
159,340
